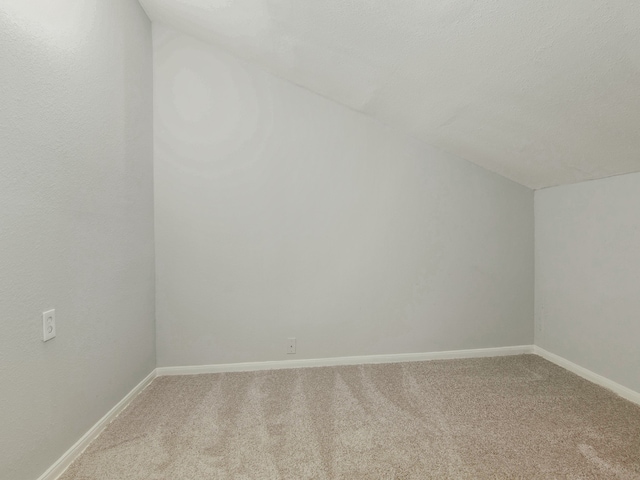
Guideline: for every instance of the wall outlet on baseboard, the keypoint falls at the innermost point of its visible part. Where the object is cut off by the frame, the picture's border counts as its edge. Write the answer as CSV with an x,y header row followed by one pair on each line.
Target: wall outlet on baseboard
x,y
48,325
291,345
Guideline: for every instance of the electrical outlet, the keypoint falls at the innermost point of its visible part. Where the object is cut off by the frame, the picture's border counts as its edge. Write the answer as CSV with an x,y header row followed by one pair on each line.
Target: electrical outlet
x,y
48,325
291,345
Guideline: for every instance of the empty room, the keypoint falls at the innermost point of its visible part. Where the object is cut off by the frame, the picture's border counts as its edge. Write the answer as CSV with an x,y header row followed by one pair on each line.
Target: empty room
x,y
277,239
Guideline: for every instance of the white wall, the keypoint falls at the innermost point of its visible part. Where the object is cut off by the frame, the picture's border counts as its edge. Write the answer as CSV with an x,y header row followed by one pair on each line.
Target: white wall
x,y
76,220
588,275
280,213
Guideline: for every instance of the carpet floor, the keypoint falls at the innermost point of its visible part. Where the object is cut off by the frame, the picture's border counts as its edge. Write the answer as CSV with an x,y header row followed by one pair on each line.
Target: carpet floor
x,y
503,417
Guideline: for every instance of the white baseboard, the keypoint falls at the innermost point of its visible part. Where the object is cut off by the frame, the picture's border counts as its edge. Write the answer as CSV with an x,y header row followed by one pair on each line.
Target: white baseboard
x,y
331,362
621,390
58,468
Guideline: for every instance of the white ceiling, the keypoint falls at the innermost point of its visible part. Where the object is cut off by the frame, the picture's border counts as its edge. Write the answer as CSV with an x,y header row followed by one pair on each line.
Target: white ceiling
x,y
544,92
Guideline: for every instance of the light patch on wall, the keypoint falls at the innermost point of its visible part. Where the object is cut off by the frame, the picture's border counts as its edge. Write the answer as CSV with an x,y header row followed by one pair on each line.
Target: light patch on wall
x,y
211,107
188,109
62,24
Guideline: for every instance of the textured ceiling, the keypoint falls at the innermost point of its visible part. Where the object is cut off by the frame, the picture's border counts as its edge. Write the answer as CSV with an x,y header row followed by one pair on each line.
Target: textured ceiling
x,y
543,92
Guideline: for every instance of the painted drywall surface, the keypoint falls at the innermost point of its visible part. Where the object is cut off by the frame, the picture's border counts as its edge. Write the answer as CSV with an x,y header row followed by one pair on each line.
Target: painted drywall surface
x,y
544,93
282,214
76,220
588,275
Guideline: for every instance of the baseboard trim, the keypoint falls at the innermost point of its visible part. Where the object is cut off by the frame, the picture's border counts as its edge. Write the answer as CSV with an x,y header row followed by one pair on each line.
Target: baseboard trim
x,y
593,377
58,468
336,361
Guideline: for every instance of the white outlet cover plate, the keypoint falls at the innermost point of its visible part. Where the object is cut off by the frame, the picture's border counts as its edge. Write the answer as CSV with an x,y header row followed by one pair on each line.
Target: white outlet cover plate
x,y
48,325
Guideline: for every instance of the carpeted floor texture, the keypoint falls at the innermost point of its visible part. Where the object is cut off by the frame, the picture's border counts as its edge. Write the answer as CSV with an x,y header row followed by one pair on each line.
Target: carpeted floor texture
x,y
503,417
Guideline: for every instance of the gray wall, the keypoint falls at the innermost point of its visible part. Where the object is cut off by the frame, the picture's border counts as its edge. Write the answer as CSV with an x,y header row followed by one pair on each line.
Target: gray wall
x,y
76,220
280,213
588,275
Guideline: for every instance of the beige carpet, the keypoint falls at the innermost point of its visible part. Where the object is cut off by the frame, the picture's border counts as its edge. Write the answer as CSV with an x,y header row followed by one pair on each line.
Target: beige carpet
x,y
505,417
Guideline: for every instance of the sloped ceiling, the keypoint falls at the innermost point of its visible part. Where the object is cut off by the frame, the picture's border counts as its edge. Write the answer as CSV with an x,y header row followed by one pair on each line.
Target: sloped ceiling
x,y
544,92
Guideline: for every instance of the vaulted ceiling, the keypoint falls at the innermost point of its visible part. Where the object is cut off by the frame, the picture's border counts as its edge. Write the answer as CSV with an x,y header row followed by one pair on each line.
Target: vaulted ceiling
x,y
544,92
